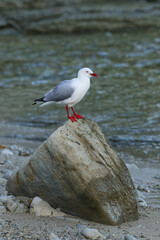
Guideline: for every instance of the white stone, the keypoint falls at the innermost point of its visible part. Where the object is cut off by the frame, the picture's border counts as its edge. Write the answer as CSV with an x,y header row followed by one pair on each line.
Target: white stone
x,y
92,234
2,209
129,237
52,236
21,208
3,180
7,152
4,199
39,207
14,206
141,202
11,205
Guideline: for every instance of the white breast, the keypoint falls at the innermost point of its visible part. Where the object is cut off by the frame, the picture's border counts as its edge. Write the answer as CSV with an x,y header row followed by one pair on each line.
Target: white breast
x,y
81,87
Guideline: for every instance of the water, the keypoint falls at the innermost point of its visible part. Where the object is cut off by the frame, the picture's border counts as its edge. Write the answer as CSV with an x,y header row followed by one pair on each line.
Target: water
x,y
124,100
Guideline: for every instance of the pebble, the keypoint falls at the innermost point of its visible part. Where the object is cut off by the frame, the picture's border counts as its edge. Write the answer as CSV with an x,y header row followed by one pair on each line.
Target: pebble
x,y
2,209
39,207
129,237
157,176
7,152
24,153
143,188
25,200
21,208
3,180
52,236
81,226
92,234
13,206
2,161
141,202
3,146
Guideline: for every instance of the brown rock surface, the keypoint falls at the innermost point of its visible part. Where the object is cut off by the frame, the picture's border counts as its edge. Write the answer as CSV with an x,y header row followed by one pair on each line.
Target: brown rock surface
x,y
76,170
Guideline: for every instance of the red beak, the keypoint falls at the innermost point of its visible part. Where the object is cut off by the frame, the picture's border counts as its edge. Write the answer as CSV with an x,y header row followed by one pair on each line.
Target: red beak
x,y
94,74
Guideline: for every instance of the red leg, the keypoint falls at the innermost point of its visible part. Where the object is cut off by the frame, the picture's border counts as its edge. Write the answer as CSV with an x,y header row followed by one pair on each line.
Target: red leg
x,y
76,115
72,117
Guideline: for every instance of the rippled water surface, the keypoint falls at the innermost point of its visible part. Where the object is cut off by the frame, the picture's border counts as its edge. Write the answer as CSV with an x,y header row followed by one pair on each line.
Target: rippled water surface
x,y
124,100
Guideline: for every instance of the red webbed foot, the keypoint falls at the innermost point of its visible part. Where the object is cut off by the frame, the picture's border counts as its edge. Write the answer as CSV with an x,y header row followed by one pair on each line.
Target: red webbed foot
x,y
72,118
78,116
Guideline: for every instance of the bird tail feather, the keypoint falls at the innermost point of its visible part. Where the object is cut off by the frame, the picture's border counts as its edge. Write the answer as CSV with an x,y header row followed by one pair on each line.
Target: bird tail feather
x,y
39,100
45,103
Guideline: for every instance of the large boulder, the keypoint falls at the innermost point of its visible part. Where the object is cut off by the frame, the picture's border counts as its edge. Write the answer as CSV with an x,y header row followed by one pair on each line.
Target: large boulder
x,y
76,170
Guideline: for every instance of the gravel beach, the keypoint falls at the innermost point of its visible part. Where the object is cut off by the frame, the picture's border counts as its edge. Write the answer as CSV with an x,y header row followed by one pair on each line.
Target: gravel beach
x,y
26,226
15,225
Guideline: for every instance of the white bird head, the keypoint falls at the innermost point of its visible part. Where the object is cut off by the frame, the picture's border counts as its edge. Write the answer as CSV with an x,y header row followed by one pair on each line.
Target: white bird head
x,y
86,73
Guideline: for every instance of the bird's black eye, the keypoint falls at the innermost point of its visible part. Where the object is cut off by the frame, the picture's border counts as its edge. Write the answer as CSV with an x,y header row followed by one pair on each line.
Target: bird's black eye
x,y
86,71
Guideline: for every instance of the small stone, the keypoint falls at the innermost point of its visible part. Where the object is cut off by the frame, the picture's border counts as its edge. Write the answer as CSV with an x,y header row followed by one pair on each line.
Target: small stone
x,y
24,153
25,200
7,152
141,202
92,234
142,235
157,176
81,226
129,237
143,188
2,209
11,205
3,180
2,161
39,207
21,208
52,236
3,146
16,207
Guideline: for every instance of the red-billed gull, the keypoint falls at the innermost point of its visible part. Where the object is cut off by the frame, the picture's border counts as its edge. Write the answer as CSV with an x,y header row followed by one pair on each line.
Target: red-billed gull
x,y
69,92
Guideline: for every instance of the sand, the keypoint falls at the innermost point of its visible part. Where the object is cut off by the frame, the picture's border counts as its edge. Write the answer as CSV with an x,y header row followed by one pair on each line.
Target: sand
x,y
26,226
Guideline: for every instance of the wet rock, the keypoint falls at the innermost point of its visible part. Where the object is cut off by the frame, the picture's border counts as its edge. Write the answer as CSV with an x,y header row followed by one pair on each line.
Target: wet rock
x,y
39,207
76,170
129,237
52,236
92,234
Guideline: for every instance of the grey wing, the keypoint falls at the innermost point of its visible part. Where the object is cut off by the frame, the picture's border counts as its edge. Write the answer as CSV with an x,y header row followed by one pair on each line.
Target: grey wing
x,y
61,92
